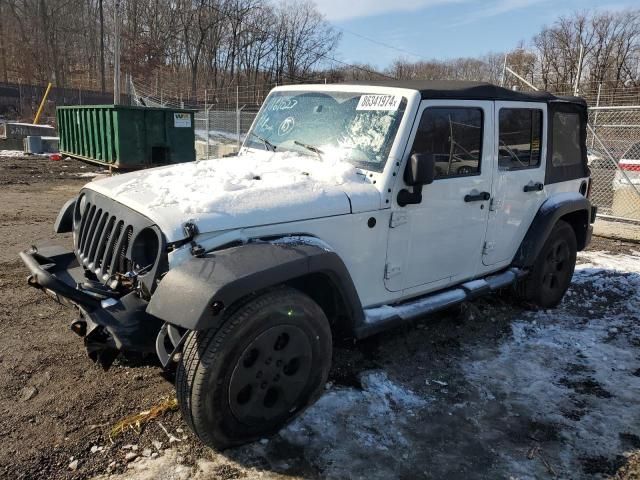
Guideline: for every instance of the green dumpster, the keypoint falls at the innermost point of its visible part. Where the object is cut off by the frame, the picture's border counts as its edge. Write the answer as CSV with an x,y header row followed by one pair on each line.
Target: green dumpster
x,y
126,137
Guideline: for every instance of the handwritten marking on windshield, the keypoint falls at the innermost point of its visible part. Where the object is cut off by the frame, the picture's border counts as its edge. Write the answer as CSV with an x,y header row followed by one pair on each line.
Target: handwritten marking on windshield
x,y
286,126
282,103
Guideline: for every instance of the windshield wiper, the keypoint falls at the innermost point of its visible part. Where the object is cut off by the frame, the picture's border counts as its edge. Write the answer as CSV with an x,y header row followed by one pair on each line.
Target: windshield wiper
x,y
311,148
267,144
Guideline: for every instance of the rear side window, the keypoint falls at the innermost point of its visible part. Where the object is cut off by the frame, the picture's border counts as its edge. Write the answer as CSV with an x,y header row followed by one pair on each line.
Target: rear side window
x,y
454,136
566,139
520,136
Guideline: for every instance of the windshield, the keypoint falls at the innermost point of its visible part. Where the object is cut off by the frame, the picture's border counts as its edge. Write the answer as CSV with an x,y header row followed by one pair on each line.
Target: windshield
x,y
355,127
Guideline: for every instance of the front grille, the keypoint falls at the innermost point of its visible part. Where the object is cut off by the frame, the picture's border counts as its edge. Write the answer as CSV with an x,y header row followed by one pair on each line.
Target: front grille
x,y
103,234
103,242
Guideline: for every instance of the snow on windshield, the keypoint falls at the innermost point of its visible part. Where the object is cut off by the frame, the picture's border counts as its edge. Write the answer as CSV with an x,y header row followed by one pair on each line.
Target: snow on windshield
x,y
367,133
236,184
356,127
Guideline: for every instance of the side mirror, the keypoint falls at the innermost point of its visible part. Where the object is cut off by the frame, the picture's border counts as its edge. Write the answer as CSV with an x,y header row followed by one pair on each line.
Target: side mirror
x,y
420,170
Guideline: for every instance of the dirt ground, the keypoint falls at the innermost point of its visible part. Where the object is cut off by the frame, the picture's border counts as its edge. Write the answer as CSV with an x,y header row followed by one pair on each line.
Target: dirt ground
x,y
490,390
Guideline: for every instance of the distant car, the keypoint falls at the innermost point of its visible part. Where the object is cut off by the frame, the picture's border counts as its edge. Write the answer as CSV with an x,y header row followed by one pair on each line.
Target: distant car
x,y
626,184
629,171
456,165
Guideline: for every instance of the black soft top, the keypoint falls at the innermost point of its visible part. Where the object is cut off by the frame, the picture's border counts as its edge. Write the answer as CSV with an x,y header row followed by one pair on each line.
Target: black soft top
x,y
463,90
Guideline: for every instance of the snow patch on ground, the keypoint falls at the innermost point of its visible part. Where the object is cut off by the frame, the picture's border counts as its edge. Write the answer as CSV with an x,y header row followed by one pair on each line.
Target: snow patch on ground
x,y
567,368
598,260
20,153
11,153
169,466
374,418
88,174
216,136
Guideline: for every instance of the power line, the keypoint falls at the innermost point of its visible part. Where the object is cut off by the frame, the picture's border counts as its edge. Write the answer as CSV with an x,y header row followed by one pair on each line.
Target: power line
x,y
382,44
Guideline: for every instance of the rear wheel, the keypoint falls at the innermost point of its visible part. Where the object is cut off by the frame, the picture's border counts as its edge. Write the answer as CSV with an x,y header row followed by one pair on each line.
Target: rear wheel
x,y
268,361
551,274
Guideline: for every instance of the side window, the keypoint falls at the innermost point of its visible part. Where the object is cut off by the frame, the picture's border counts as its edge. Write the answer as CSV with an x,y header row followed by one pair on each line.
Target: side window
x,y
454,136
520,138
566,139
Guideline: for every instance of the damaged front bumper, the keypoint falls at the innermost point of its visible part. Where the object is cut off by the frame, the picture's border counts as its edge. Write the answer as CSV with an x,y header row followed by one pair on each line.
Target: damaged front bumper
x,y
109,322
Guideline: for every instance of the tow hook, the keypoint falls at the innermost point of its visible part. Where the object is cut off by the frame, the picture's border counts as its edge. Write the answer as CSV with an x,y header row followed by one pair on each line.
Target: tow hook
x,y
79,327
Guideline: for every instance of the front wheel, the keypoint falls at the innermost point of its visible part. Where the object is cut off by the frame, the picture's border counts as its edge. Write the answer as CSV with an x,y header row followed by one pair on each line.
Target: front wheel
x,y
551,274
268,361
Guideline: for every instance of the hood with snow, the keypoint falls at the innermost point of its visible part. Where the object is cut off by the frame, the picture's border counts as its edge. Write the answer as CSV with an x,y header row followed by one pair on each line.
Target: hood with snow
x,y
257,188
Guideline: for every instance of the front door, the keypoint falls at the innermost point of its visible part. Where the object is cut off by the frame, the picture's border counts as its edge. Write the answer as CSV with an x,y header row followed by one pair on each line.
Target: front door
x,y
439,241
518,186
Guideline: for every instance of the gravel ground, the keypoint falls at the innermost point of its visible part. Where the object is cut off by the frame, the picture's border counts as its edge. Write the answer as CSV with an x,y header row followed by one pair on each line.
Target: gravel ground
x,y
489,390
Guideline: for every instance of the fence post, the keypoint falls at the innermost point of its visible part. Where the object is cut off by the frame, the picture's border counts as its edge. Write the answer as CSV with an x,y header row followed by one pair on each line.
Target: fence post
x,y
206,123
595,116
238,114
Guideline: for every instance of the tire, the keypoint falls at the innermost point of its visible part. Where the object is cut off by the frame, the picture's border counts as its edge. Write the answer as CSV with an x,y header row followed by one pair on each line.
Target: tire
x,y
552,271
464,170
268,361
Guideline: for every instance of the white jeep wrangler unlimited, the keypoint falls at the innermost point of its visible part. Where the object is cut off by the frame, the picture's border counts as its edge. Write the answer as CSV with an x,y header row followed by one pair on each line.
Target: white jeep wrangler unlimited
x,y
349,207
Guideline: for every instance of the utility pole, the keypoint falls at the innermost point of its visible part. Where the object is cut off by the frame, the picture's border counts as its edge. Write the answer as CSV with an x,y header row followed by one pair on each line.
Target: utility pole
x,y
102,74
116,56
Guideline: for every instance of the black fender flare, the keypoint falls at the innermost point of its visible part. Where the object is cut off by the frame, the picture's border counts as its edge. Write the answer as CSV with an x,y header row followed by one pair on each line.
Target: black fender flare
x,y
64,220
195,294
551,210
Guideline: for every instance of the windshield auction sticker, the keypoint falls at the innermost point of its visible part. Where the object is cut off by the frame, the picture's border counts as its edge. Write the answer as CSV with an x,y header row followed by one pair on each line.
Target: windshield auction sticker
x,y
379,102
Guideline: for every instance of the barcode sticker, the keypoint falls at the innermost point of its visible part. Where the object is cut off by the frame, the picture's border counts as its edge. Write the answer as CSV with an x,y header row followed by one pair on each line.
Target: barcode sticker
x,y
379,102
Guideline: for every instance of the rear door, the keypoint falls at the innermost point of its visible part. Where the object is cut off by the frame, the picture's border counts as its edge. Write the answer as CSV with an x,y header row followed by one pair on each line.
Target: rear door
x,y
518,187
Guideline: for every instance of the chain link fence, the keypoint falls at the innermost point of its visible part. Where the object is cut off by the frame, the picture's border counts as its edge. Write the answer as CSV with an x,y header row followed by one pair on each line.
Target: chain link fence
x,y
613,141
220,132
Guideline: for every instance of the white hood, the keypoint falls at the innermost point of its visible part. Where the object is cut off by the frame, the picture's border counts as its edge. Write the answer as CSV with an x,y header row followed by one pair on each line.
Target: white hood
x,y
257,188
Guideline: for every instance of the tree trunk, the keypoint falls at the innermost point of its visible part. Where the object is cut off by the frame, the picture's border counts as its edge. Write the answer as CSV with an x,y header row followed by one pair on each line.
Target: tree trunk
x,y
3,49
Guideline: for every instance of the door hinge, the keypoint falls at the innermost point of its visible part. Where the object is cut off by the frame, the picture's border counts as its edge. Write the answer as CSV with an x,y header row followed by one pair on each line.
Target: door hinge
x,y
488,247
391,270
397,219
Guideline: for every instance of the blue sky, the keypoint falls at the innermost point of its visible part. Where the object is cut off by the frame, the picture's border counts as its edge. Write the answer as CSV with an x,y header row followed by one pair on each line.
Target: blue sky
x,y
443,28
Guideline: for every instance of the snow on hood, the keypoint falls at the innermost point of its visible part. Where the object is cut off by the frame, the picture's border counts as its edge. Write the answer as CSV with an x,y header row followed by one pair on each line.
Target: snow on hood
x,y
235,192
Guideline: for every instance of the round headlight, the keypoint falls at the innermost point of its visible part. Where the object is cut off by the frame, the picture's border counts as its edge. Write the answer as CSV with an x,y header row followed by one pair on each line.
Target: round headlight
x,y
145,249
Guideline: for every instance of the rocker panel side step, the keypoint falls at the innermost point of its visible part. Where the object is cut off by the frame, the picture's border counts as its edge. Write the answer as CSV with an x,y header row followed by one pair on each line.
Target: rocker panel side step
x,y
383,317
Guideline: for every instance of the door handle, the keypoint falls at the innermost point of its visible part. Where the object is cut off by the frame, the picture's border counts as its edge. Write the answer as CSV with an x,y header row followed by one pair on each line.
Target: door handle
x,y
533,187
477,197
